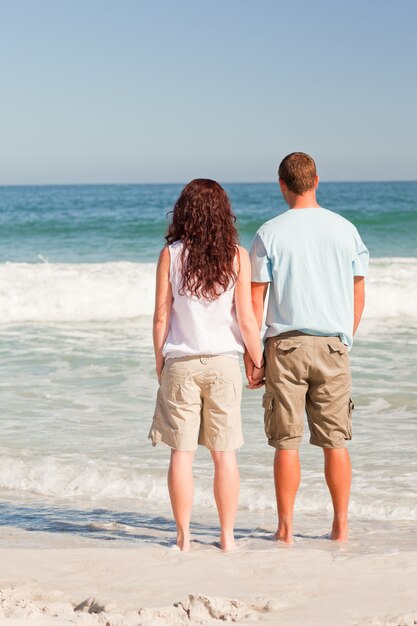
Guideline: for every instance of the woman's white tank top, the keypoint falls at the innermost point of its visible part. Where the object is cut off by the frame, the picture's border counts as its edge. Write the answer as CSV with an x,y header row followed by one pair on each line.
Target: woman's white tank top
x,y
197,325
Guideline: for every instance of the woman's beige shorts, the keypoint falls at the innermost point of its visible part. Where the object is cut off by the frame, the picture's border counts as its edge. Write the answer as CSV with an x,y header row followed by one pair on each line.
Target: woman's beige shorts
x,y
198,402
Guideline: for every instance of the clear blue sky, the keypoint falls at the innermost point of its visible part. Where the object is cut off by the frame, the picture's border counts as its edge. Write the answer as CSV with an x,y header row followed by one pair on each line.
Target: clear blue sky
x,y
166,90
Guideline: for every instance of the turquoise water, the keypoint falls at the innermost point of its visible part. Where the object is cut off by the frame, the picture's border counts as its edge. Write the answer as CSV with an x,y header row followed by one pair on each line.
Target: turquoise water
x,y
127,222
77,381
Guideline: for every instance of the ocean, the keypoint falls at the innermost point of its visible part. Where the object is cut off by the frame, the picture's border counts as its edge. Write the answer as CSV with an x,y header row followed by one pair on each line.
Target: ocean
x,y
77,380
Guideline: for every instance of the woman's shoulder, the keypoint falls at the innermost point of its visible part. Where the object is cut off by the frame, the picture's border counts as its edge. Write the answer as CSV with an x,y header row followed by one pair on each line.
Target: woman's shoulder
x,y
164,256
243,256
243,260
242,252
169,249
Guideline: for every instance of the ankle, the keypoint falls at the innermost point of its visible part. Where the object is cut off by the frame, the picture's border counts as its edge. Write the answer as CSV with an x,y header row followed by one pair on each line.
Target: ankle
x,y
183,539
284,531
340,528
227,539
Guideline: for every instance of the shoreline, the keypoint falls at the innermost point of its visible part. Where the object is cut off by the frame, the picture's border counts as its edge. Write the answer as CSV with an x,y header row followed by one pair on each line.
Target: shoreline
x,y
74,580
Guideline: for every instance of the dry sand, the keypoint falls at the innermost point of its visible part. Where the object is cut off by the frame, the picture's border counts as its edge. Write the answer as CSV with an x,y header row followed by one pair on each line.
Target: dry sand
x,y
61,580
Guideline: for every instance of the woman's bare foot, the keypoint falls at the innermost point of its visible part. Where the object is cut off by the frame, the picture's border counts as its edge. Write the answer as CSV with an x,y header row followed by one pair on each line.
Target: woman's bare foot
x,y
183,542
227,542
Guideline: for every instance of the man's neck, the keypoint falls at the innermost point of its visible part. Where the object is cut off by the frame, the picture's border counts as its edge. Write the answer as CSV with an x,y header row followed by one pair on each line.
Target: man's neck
x,y
305,201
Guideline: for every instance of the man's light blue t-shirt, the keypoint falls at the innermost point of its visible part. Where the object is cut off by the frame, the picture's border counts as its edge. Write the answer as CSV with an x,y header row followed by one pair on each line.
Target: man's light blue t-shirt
x,y
310,257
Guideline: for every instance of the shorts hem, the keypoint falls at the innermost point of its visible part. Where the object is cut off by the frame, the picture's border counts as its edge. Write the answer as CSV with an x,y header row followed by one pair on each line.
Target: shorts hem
x,y
334,445
222,448
156,437
284,445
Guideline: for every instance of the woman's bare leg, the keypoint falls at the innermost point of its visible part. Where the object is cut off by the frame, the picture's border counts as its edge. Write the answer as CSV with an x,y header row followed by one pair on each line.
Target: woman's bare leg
x,y
226,493
181,492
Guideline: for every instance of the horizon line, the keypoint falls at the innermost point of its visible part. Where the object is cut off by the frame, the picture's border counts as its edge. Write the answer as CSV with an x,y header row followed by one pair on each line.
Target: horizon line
x,y
252,182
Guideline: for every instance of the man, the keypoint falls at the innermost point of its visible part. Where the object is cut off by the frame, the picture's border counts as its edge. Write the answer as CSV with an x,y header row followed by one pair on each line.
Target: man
x,y
314,263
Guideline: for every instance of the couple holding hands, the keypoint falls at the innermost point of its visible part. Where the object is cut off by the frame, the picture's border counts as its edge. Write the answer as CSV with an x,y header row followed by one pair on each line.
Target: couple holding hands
x,y
209,307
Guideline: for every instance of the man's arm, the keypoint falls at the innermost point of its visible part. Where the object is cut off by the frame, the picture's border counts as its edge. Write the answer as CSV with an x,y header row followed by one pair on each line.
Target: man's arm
x,y
358,300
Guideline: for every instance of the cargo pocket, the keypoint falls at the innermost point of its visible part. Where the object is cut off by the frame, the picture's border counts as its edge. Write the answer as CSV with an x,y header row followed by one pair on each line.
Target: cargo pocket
x,y
349,424
268,403
287,346
337,347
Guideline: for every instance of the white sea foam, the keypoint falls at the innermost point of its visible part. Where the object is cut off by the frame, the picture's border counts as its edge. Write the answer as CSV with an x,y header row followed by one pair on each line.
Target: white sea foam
x,y
109,291
85,482
75,292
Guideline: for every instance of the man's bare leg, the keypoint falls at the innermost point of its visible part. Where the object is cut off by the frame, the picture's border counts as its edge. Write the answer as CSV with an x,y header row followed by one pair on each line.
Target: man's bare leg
x,y
226,493
338,472
287,475
181,492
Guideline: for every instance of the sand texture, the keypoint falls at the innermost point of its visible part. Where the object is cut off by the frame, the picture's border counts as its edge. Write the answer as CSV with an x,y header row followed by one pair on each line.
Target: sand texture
x,y
62,582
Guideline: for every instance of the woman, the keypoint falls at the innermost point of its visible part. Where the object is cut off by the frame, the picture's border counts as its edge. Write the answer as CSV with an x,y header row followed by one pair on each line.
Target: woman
x,y
203,319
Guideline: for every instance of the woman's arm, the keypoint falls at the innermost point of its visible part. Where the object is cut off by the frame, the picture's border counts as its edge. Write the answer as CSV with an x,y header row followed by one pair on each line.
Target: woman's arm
x,y
162,313
244,311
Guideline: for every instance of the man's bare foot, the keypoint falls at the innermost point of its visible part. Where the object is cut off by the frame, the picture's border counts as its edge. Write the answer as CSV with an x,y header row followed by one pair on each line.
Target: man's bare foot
x,y
183,542
339,530
284,534
284,538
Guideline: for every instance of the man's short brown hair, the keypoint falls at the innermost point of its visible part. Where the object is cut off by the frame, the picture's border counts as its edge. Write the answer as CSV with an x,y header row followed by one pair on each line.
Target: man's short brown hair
x,y
298,171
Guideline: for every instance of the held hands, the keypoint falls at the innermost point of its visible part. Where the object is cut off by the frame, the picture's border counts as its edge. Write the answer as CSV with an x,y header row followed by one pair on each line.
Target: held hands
x,y
255,375
257,378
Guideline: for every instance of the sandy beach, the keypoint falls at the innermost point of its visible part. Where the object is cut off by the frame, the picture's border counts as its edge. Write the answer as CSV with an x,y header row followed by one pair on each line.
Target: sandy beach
x,y
58,579
108,110
85,518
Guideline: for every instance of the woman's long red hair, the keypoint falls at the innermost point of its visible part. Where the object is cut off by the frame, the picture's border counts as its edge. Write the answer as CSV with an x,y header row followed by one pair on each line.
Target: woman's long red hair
x,y
203,220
